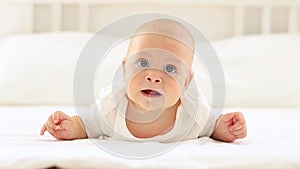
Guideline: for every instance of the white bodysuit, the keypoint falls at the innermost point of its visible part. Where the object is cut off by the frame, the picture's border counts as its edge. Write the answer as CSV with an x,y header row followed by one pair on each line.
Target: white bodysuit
x,y
106,118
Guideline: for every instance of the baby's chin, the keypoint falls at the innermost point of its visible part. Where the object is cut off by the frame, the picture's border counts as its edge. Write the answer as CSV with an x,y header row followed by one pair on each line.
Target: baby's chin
x,y
149,107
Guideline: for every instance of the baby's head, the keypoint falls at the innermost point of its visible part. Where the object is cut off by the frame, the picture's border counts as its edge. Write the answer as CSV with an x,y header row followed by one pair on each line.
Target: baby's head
x,y
158,64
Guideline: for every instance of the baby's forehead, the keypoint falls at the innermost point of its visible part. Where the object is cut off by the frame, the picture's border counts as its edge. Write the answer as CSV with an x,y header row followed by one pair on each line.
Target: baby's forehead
x,y
167,28
156,45
152,40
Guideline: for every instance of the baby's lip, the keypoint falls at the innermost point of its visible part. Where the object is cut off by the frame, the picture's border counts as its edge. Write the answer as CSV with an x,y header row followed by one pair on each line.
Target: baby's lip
x,y
150,93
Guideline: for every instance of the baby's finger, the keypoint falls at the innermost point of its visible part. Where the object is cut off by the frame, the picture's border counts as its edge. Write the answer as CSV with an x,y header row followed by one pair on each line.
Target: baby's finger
x,y
228,117
240,131
53,126
238,125
59,116
63,132
242,134
49,129
43,129
50,123
239,116
55,117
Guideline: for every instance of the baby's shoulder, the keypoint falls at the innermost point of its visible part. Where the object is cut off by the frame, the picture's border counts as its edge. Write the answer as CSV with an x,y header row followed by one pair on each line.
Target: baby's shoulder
x,y
105,91
110,97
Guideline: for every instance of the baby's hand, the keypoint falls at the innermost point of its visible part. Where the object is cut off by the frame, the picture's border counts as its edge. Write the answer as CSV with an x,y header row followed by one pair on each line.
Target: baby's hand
x,y
230,127
59,125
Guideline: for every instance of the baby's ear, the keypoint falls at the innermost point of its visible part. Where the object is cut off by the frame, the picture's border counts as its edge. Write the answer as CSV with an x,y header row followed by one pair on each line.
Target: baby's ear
x,y
123,64
188,80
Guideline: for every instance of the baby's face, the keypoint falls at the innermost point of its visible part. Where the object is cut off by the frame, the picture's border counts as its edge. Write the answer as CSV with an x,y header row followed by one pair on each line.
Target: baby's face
x,y
157,70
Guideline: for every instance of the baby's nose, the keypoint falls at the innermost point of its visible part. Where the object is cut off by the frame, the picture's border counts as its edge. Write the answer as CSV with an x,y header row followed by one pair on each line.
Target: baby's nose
x,y
153,78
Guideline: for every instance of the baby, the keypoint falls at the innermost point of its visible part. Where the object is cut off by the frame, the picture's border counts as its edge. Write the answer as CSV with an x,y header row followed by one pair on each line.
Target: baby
x,y
158,100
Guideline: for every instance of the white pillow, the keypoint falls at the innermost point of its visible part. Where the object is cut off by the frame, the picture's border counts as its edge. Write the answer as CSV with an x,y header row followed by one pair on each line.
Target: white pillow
x,y
38,69
261,70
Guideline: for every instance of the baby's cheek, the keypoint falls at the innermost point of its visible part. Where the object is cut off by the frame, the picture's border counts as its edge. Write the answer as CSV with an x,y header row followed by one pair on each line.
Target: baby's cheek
x,y
130,77
173,91
176,84
132,82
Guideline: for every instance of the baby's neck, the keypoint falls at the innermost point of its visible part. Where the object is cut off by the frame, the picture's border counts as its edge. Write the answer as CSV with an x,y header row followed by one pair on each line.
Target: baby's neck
x,y
151,123
148,116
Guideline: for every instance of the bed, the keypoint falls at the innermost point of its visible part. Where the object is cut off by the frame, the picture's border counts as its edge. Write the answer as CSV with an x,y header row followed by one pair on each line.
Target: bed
x,y
257,43
273,142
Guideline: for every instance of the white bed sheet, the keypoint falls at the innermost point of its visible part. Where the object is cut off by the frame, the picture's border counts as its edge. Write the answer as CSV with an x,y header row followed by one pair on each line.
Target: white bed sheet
x,y
273,142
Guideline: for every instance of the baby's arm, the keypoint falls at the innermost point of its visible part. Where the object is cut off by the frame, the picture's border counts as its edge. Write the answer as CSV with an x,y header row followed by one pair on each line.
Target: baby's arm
x,y
230,127
63,127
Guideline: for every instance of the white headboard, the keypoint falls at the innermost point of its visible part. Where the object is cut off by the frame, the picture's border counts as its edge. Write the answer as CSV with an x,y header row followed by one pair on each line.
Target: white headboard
x,y
216,18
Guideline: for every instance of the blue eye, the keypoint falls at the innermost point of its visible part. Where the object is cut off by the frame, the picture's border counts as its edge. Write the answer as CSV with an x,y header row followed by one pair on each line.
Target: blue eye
x,y
170,68
143,63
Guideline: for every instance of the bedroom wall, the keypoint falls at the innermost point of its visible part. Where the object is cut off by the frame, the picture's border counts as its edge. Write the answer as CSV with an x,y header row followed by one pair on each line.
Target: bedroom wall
x,y
13,19
216,20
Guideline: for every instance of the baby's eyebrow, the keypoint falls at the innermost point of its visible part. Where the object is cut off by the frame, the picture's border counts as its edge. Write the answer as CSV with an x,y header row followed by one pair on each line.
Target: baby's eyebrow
x,y
148,54
174,59
143,53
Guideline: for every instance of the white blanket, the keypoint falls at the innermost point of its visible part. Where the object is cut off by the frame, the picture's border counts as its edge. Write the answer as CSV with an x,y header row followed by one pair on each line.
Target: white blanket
x,y
273,141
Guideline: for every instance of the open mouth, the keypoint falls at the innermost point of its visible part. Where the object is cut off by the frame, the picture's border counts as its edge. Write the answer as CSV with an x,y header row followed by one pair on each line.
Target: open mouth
x,y
150,93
